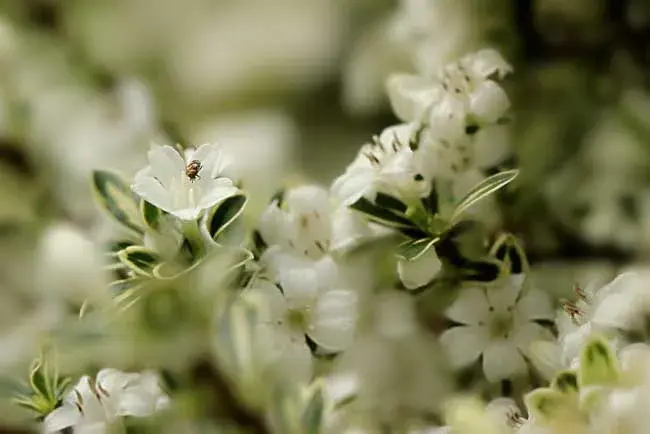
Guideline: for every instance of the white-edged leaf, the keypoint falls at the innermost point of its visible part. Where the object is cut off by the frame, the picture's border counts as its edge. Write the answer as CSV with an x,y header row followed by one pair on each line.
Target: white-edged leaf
x,y
545,403
114,195
224,214
485,188
383,216
139,259
413,249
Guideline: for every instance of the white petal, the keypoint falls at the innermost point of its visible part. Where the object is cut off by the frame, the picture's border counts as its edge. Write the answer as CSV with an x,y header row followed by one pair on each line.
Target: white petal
x,y
410,95
273,306
300,286
502,360
63,417
447,117
528,332
486,62
153,192
572,343
534,305
273,225
464,344
504,296
546,357
354,184
470,307
332,321
617,310
308,199
113,380
186,214
296,361
348,229
491,145
402,133
489,102
215,191
419,272
166,164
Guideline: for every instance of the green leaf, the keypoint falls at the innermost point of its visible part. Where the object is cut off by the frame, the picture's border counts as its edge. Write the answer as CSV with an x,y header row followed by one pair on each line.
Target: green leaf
x,y
150,214
120,286
114,195
508,250
413,249
545,403
224,214
383,216
566,382
313,412
38,380
598,364
483,189
386,201
139,259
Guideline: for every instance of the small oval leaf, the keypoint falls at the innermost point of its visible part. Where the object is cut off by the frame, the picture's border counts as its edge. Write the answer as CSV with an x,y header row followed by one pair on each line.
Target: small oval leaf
x,y
313,412
114,195
150,214
566,382
383,216
545,403
224,214
598,364
485,188
139,259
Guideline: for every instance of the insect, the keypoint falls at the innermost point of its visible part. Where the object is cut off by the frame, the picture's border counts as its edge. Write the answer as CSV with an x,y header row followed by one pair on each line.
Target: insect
x,y
192,170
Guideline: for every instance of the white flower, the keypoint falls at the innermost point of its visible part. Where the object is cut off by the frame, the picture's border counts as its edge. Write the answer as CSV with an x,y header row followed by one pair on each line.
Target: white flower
x,y
420,271
92,405
499,323
165,183
388,165
459,89
327,316
306,224
620,305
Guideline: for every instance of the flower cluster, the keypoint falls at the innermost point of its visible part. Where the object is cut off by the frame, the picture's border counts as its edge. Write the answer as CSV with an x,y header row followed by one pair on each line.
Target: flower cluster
x,y
358,306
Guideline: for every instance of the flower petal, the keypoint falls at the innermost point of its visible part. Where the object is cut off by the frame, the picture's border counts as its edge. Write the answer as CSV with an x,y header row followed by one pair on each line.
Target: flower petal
x,y
470,307
419,272
299,285
296,360
166,164
502,360
63,417
273,225
333,319
152,191
534,305
215,191
486,62
528,332
273,306
489,102
410,95
464,344
504,296
348,229
354,184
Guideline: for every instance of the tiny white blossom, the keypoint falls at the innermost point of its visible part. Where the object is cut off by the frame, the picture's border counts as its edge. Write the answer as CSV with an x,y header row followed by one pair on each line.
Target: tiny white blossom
x,y
498,323
460,88
387,165
327,316
307,224
165,183
93,404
